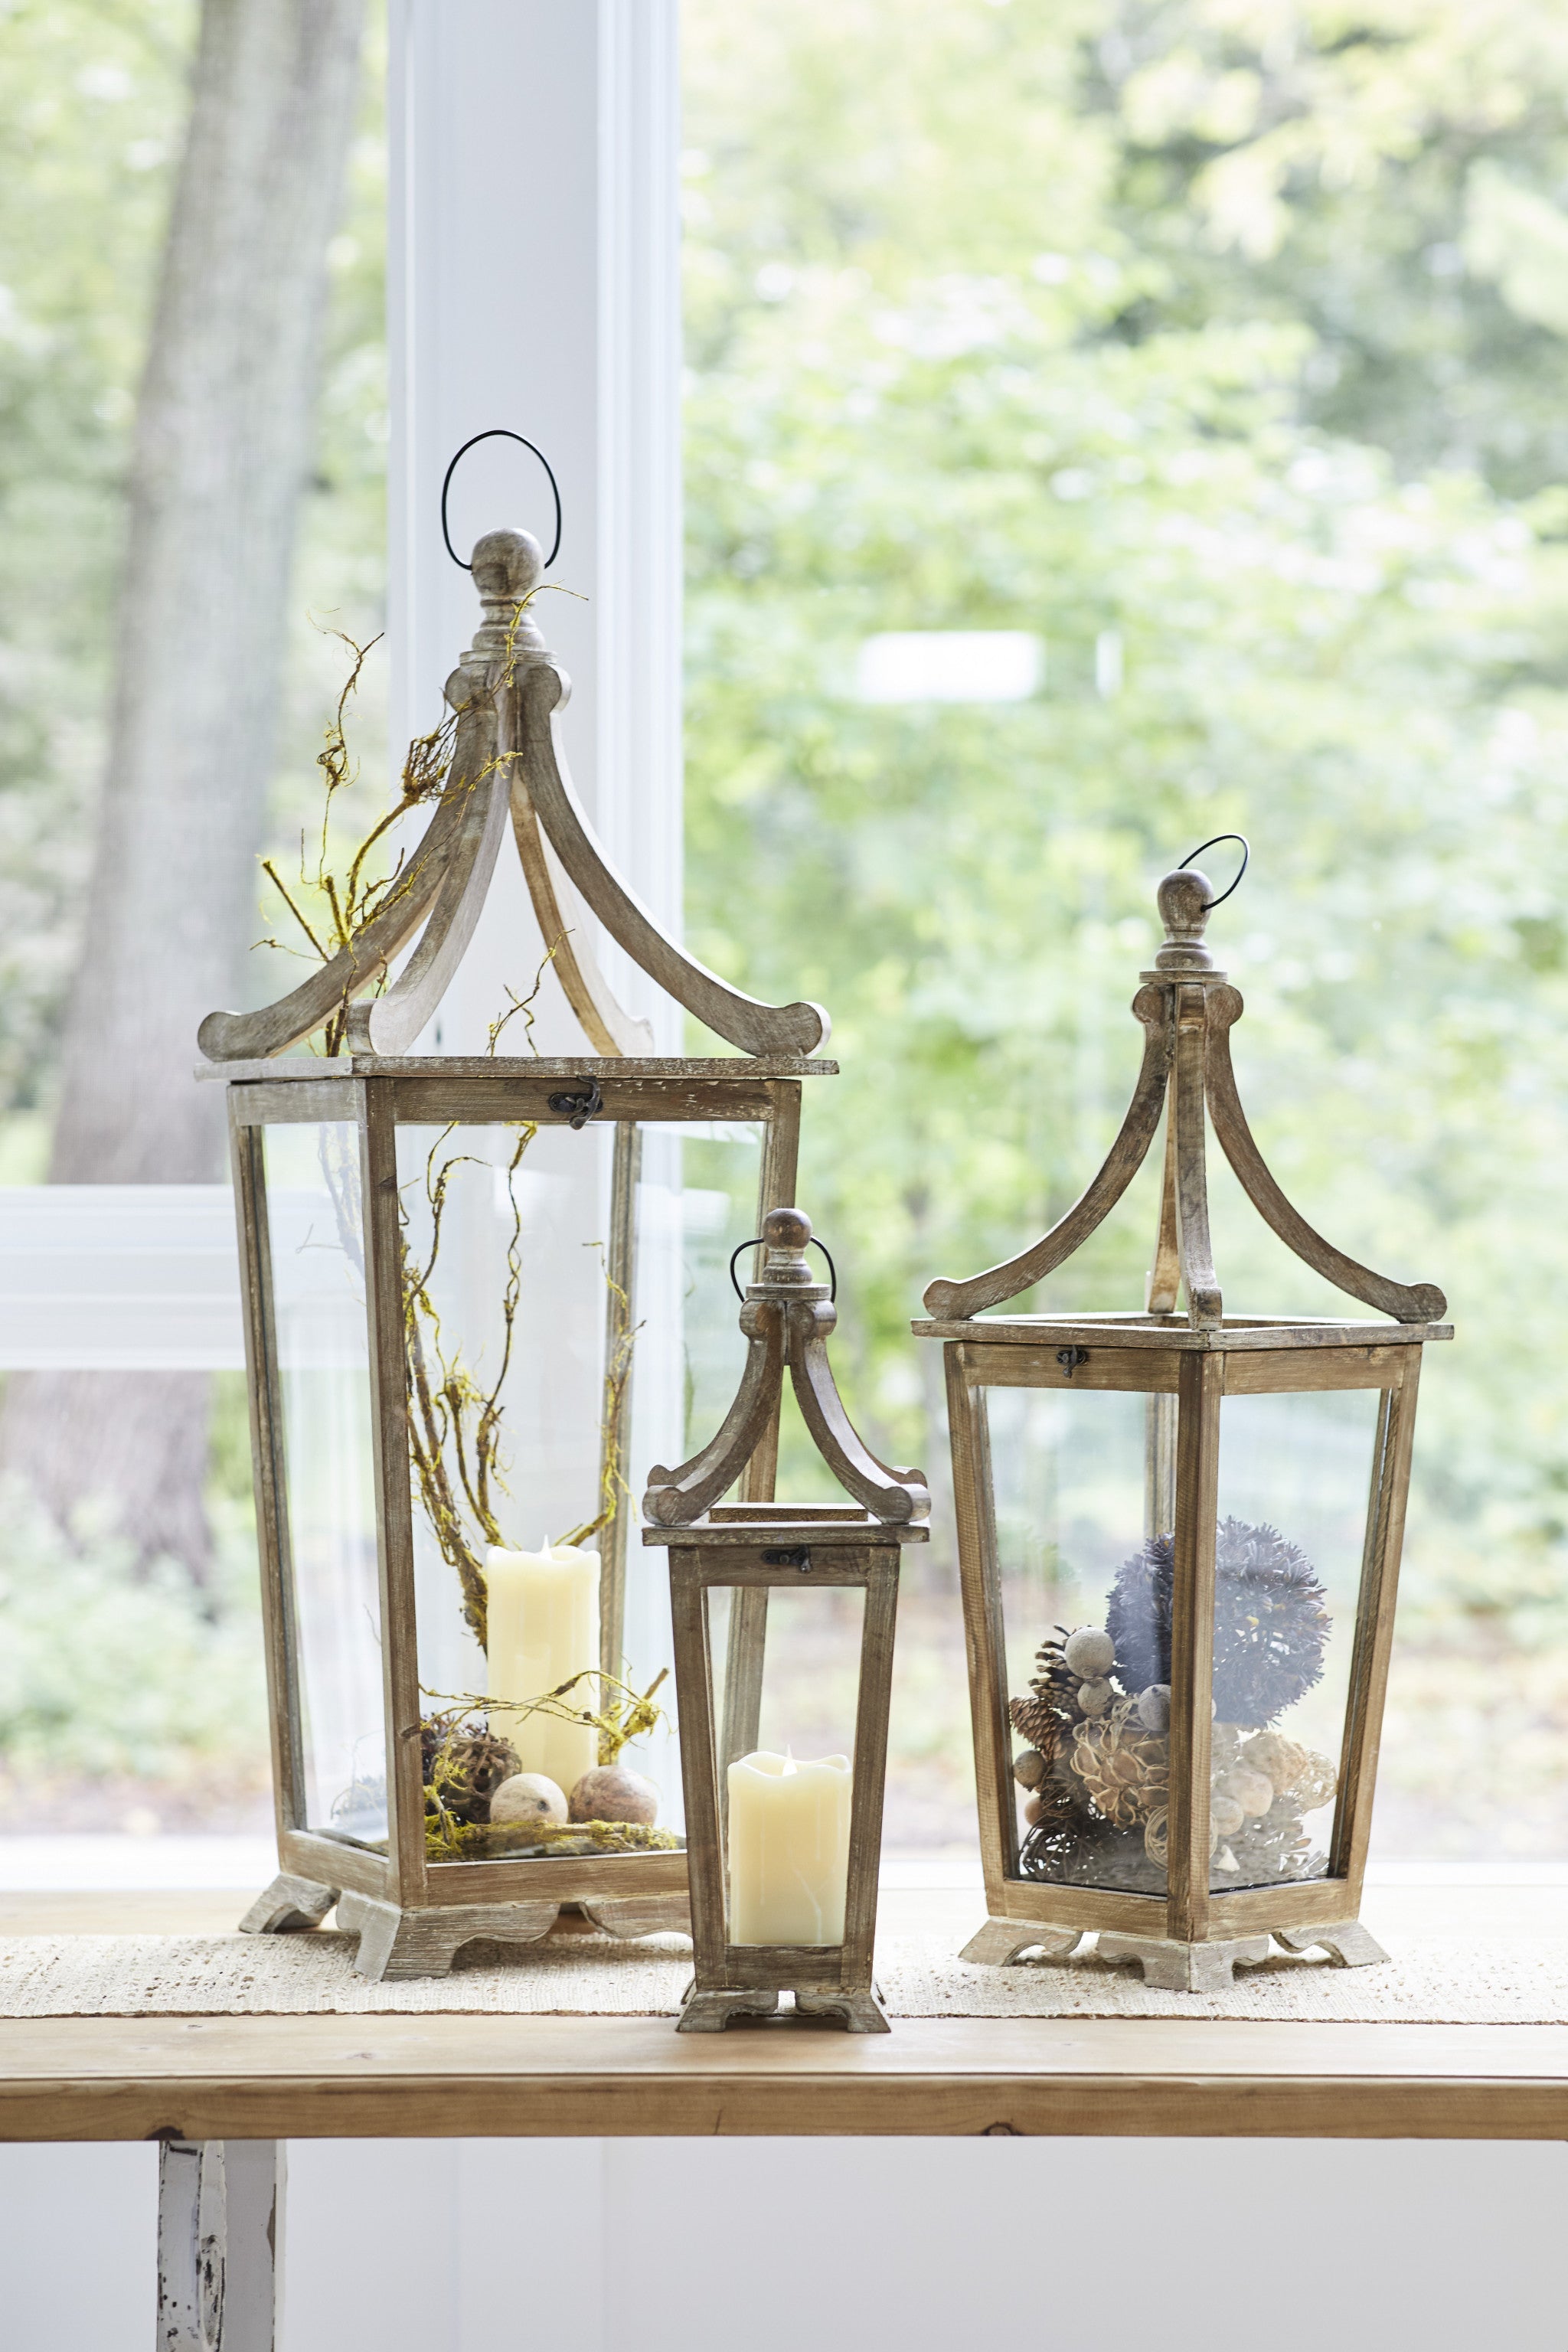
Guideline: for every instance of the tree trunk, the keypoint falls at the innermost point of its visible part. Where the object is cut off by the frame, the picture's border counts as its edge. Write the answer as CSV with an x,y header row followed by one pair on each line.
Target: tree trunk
x,y
223,444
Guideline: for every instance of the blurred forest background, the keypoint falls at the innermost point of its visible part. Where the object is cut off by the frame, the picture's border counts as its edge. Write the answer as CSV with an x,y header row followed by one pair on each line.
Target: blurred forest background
x,y
1220,345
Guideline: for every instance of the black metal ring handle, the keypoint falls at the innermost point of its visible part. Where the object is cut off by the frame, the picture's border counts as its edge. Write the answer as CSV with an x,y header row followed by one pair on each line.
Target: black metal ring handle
x,y
502,433
1210,904
756,1242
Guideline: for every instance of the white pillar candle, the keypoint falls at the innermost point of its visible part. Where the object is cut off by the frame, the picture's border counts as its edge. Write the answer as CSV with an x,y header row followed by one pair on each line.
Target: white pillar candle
x,y
543,1612
789,1849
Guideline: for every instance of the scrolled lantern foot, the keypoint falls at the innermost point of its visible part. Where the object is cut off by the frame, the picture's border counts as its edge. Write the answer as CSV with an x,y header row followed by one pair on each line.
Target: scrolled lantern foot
x,y
1002,1941
856,2012
289,1903
1347,1939
1184,1968
396,1943
710,2012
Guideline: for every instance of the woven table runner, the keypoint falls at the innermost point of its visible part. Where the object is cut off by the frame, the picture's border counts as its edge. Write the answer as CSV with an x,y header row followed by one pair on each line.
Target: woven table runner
x,y
1433,1983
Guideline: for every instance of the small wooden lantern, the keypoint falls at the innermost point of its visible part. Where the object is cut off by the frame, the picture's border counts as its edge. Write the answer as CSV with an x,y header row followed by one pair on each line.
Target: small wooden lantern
x,y
769,1916
1223,1497
459,1270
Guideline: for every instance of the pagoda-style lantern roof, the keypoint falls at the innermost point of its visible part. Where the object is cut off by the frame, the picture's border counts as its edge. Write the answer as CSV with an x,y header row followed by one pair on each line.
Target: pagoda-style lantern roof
x,y
1188,1007
508,761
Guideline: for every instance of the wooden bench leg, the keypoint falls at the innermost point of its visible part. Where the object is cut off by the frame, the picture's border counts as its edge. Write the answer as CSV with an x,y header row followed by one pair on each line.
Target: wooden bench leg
x,y
220,2236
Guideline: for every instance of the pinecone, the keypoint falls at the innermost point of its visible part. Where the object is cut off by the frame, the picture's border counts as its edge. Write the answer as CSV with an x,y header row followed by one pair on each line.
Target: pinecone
x,y
1034,1720
1125,1770
1054,1683
466,1769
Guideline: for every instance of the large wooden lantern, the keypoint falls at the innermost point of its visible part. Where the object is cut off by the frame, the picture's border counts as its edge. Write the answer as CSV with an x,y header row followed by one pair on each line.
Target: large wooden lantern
x,y
782,1850
476,1309
1179,1538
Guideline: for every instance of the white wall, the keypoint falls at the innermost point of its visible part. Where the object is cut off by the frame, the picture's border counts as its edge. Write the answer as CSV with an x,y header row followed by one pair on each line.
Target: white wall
x,y
839,2246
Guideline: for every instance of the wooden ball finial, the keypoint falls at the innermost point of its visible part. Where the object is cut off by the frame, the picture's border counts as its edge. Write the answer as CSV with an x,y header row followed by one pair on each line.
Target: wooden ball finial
x,y
1184,899
508,564
787,1229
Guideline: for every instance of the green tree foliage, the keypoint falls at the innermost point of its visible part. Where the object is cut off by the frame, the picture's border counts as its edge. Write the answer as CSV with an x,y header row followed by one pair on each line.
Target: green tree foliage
x,y
92,112
1220,344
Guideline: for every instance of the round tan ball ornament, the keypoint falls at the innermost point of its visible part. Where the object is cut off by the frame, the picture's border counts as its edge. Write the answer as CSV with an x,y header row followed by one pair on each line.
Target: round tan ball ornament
x,y
1253,1792
610,1794
1090,1651
529,1797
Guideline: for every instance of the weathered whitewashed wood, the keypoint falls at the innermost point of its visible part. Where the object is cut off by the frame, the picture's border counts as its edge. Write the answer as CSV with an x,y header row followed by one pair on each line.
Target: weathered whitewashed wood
x,y
606,1022
1178,1967
676,1497
709,2010
891,1494
856,2012
620,1285
1192,1645
424,1943
652,1914
756,1028
288,1903
390,1024
1353,1946
1205,1357
239,1036
1164,1285
1000,1942
509,690
1419,1302
696,1069
788,1318
1195,1249
220,2237
1126,1155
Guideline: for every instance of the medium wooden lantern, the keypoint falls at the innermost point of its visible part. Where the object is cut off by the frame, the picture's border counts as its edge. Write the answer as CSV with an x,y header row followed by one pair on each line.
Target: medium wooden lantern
x,y
784,1855
1212,1506
473,1302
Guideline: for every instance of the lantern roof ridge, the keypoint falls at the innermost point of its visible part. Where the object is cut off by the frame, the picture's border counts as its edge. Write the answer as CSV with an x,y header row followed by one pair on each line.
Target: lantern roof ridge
x,y
507,761
1187,1008
787,1316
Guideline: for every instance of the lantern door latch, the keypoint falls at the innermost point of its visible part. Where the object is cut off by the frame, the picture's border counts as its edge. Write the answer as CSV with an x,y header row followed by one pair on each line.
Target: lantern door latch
x,y
578,1105
1069,1358
788,1556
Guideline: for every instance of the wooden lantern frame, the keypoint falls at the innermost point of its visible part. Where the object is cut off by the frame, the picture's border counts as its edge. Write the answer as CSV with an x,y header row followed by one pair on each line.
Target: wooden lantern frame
x,y
1190,1937
412,1913
757,1549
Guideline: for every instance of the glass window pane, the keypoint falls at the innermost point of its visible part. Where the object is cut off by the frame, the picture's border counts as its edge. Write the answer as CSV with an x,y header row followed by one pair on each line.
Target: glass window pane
x,y
542,1389
786,1771
318,1286
1294,1478
1068,1476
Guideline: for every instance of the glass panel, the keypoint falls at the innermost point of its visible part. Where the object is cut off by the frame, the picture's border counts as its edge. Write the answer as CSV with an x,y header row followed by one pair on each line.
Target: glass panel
x,y
540,1395
1294,1478
1068,1478
786,1776
318,1288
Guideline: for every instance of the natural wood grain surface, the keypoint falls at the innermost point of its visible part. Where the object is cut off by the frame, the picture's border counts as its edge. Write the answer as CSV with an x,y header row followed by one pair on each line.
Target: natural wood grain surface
x,y
327,2077
337,2077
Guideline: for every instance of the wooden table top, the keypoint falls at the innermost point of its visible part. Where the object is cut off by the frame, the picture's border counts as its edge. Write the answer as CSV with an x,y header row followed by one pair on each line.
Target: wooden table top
x,y
103,2078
